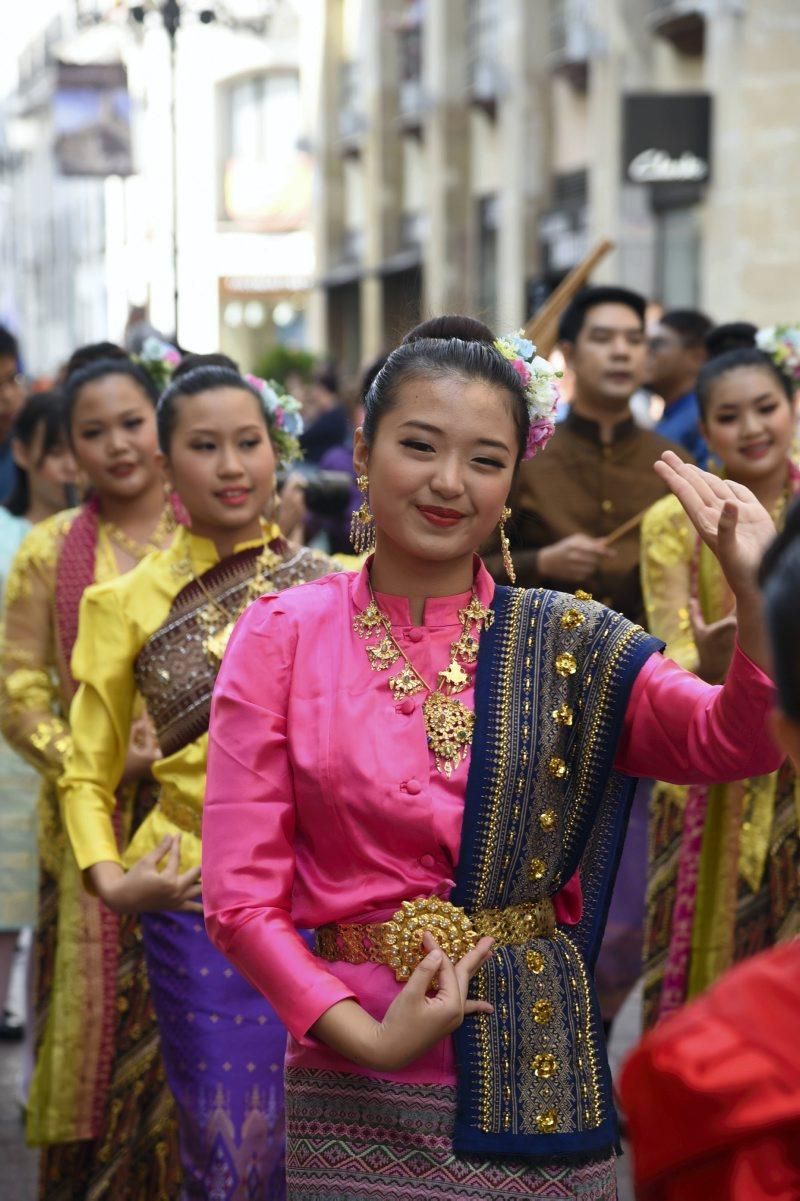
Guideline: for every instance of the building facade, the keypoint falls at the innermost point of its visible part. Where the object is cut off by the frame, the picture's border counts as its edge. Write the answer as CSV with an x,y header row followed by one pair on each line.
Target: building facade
x,y
469,152
80,254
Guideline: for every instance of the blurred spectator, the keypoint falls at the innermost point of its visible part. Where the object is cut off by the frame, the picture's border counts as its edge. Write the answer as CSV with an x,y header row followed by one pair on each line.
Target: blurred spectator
x,y
597,473
325,416
722,1075
12,395
677,351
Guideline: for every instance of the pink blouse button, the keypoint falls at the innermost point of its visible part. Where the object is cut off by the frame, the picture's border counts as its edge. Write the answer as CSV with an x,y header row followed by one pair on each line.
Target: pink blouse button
x,y
412,787
415,634
427,860
407,706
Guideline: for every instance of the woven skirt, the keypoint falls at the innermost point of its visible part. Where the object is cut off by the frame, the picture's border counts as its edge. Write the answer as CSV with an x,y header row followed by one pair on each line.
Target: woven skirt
x,y
350,1138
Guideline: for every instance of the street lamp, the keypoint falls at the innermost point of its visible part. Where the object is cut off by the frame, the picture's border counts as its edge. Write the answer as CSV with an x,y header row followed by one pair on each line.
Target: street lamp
x,y
172,13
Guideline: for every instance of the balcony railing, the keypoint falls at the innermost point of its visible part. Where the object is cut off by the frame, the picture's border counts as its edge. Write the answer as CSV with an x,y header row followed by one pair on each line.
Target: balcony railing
x,y
571,40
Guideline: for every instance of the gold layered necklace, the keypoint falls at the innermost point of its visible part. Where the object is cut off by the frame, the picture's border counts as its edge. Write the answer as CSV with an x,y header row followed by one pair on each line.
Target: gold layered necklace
x,y
217,619
164,528
448,723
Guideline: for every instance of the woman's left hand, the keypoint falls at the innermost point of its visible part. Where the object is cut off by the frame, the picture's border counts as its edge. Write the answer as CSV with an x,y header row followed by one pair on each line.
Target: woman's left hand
x,y
726,515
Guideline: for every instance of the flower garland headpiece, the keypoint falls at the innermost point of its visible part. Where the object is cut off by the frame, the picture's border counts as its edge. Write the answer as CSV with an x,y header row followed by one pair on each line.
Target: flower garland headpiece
x,y
541,390
782,344
159,359
284,418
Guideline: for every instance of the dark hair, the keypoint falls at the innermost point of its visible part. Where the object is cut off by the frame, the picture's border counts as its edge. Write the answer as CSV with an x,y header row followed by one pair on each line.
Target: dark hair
x,y
573,317
327,378
93,352
436,349
780,578
202,379
691,325
191,362
733,360
9,346
94,371
734,335
368,376
42,410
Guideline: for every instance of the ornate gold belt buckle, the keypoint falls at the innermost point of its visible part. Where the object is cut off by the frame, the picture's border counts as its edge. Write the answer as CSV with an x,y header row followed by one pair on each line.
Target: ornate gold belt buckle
x,y
401,936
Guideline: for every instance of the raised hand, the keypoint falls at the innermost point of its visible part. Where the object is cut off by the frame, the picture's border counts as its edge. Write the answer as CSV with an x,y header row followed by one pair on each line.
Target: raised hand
x,y
726,515
714,643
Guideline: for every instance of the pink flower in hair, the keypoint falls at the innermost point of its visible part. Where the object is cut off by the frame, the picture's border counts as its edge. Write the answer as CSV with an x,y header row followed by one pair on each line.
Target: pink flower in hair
x,y
539,435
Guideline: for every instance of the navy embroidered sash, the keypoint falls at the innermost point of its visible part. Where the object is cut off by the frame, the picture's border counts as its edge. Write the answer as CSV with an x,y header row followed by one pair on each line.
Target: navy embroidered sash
x,y
553,680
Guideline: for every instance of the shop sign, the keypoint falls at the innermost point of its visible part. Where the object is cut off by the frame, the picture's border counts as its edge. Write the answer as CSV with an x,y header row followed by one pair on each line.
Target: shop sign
x,y
667,138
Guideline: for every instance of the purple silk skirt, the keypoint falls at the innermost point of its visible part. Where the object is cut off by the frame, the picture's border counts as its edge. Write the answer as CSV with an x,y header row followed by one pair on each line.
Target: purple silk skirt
x,y
223,1050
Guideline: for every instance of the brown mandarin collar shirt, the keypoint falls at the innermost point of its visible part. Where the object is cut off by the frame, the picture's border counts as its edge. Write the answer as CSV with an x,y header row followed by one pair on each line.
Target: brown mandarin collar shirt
x,y
578,485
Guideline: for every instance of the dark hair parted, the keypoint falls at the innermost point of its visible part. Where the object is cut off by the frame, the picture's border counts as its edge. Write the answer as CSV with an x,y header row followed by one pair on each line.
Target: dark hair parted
x,y
692,326
41,411
442,348
191,362
573,318
93,352
733,360
98,370
780,579
202,379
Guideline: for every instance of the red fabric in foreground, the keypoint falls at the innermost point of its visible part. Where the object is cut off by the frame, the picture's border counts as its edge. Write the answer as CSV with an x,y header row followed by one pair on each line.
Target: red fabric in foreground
x,y
712,1094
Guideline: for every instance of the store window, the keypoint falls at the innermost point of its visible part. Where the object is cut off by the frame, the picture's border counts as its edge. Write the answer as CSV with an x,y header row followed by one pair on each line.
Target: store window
x,y
265,179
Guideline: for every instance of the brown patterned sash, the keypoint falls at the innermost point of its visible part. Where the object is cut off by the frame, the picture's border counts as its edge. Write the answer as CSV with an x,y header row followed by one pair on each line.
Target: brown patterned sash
x,y
177,667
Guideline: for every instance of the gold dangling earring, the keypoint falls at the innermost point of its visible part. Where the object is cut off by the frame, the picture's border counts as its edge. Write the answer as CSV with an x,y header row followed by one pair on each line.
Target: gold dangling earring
x,y
362,525
505,546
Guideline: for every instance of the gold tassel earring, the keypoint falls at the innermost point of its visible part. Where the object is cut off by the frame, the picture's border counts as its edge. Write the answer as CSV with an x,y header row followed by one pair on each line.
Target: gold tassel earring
x,y
505,546
362,525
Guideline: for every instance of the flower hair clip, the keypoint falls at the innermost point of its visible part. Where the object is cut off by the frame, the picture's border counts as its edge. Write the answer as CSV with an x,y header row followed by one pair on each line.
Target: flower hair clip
x,y
541,390
159,359
284,417
782,344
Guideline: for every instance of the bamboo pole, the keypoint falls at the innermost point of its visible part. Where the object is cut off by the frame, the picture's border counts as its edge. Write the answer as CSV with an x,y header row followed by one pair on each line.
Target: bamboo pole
x,y
542,328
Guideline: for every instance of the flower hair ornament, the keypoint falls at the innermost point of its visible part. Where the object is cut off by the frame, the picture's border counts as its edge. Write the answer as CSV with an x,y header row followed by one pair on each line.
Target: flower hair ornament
x,y
541,390
782,344
159,359
283,418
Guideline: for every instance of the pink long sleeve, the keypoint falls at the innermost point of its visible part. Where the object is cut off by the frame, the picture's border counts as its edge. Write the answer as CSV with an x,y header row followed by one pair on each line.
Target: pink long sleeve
x,y
679,729
249,825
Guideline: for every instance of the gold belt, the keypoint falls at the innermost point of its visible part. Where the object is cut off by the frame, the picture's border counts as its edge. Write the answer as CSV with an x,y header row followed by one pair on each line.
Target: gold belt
x,y
398,943
185,817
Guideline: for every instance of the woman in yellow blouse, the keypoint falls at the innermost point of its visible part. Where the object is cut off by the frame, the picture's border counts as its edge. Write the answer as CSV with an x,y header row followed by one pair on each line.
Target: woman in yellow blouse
x,y
98,1104
163,629
723,861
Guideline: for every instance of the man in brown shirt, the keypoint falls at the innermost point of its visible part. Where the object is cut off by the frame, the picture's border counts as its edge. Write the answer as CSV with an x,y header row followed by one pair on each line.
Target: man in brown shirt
x,y
597,471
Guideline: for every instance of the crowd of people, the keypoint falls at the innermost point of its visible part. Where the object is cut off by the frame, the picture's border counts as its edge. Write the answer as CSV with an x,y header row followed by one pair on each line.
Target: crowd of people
x,y
341,860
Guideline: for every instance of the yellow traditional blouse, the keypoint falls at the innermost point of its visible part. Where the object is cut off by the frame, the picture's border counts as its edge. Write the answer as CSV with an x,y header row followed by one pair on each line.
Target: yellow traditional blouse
x,y
116,620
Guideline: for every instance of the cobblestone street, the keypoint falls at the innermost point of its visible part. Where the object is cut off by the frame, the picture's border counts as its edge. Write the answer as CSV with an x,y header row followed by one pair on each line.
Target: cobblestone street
x,y
17,1162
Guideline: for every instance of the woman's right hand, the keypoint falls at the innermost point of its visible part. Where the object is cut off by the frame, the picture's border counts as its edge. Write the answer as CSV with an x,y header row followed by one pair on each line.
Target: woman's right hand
x,y
147,888
714,642
416,1020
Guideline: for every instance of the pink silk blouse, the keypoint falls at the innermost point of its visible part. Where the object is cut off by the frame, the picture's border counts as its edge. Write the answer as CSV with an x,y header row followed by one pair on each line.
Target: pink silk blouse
x,y
323,802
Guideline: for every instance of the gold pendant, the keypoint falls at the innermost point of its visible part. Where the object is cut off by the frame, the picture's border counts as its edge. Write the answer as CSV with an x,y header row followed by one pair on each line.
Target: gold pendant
x,y
453,678
369,620
465,648
405,683
449,726
383,655
477,613
216,644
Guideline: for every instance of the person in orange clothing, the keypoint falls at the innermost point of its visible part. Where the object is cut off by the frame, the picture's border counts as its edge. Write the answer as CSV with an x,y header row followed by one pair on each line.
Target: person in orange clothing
x,y
712,1094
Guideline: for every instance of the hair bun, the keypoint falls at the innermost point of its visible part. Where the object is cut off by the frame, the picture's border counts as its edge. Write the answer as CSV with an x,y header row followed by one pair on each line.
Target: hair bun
x,y
452,325
734,335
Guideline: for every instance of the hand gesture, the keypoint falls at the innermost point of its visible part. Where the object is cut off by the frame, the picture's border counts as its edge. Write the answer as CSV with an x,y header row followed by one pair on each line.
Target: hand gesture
x,y
418,1019
726,515
146,888
574,559
143,750
714,643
